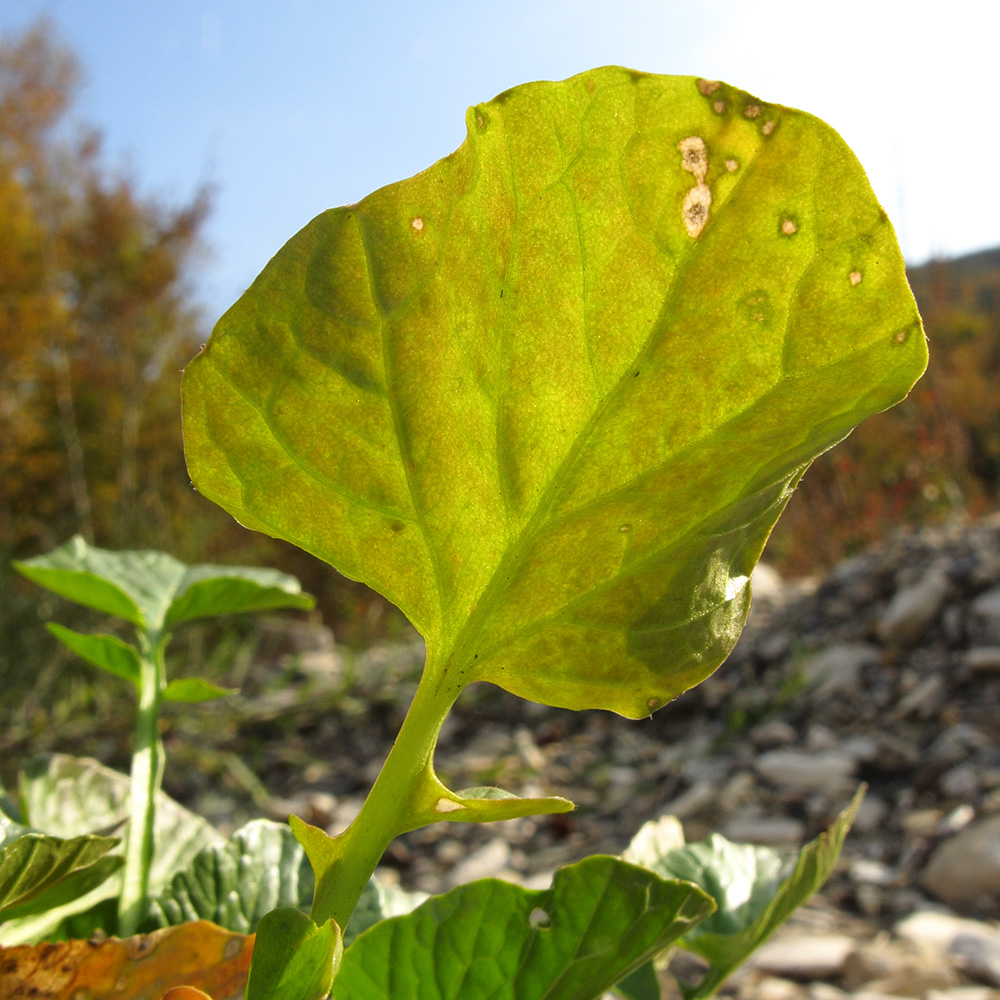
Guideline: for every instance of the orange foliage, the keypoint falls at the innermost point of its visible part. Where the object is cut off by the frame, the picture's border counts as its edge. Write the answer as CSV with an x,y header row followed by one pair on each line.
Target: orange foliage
x,y
199,955
94,325
935,455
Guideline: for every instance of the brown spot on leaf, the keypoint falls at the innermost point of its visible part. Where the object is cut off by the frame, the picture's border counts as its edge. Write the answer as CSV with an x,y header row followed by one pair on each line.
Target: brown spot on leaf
x,y
788,227
855,277
756,306
719,107
708,87
752,111
694,156
732,166
900,337
696,208
768,127
417,223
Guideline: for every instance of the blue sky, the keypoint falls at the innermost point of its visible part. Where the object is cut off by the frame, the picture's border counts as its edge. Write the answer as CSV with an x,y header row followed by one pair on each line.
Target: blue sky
x,y
291,107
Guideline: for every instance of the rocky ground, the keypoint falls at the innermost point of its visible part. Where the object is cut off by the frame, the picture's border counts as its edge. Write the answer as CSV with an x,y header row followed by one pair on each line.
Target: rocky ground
x,y
885,672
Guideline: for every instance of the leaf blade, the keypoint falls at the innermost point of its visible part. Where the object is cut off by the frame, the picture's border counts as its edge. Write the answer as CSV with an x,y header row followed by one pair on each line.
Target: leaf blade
x,y
601,919
235,883
754,895
205,591
455,387
40,872
106,652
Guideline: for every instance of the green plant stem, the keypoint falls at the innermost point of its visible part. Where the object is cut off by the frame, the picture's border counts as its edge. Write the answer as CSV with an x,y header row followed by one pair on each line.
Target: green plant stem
x,y
147,775
390,802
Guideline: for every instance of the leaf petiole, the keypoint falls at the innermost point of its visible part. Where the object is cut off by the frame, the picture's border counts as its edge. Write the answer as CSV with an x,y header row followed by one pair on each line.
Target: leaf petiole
x,y
344,865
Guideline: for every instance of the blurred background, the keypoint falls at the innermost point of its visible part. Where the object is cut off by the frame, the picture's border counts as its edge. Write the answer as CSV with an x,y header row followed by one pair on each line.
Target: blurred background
x,y
154,156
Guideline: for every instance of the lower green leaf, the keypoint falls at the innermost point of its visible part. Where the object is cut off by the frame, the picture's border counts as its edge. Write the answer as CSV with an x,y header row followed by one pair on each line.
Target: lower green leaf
x,y
39,873
293,959
754,893
600,920
72,796
234,884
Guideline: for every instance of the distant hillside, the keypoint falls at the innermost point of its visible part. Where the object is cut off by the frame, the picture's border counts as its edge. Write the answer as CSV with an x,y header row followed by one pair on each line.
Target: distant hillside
x,y
935,455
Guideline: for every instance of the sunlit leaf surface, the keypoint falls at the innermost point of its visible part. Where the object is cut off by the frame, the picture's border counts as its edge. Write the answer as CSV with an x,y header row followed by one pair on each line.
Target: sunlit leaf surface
x,y
550,395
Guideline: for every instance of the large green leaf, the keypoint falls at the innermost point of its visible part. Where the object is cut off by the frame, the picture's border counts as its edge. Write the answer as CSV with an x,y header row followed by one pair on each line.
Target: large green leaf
x,y
70,796
755,891
39,873
601,919
233,884
152,589
550,395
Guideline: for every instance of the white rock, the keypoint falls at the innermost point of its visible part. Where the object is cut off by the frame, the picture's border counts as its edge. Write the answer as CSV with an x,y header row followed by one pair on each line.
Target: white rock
x,y
697,798
871,814
966,866
773,733
984,617
776,988
795,771
914,609
487,862
924,700
938,930
737,791
824,991
961,782
803,956
836,668
975,943
961,993
771,831
980,956
983,659
766,583
870,872
820,738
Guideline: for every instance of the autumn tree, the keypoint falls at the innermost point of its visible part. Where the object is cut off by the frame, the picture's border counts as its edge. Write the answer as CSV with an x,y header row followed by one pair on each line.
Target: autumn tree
x,y
936,455
95,322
